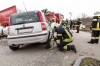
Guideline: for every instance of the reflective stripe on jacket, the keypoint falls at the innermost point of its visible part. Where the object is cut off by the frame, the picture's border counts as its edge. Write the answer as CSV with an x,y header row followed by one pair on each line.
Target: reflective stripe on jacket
x,y
64,34
95,23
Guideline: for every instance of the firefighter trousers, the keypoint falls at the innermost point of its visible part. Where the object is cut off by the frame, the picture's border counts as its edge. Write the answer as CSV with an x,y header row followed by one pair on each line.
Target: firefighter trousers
x,y
64,44
95,36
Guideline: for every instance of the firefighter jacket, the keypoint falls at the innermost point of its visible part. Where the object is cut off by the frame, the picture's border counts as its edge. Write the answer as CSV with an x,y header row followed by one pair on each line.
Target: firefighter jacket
x,y
64,34
95,23
78,23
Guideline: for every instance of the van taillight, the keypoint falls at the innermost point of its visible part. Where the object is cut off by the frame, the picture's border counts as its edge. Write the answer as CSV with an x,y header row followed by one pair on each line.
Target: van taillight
x,y
43,26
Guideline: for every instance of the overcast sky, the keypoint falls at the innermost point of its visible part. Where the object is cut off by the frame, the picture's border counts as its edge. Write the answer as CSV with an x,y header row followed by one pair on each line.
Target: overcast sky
x,y
62,6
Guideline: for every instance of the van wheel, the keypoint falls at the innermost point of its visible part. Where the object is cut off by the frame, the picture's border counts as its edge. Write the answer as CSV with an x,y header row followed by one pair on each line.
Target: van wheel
x,y
14,48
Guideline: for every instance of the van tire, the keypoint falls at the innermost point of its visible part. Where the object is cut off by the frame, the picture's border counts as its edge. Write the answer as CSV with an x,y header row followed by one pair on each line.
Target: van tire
x,y
14,48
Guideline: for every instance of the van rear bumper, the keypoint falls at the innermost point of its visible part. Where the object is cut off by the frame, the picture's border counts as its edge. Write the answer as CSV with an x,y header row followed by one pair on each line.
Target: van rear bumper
x,y
26,39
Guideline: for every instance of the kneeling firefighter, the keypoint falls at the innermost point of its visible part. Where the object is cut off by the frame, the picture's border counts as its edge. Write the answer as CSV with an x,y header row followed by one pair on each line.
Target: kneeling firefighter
x,y
65,37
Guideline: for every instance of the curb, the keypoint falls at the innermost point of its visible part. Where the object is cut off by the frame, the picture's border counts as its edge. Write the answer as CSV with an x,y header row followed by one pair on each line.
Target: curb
x,y
78,61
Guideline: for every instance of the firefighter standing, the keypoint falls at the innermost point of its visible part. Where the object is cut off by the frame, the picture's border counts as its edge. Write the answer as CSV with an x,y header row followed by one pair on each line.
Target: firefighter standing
x,y
65,37
71,23
66,20
74,23
67,23
78,23
95,27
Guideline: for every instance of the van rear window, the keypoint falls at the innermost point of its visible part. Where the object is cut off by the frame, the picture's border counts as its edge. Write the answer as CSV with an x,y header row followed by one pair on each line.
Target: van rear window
x,y
26,17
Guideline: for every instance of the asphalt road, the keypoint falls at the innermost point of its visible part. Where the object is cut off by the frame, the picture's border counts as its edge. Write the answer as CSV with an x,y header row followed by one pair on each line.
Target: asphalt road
x,y
35,55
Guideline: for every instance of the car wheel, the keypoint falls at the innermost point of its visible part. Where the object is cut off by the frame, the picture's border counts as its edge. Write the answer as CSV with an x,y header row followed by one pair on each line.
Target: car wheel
x,y
14,48
47,43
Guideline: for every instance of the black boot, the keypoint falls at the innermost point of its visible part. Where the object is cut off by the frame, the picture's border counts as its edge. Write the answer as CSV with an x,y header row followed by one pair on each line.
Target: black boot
x,y
96,41
71,47
60,47
77,32
91,42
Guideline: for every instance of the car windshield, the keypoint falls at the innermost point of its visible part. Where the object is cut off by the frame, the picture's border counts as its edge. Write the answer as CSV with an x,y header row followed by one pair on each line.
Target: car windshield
x,y
26,17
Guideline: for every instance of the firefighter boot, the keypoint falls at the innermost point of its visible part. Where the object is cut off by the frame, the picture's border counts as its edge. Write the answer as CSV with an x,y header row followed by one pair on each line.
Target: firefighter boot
x,y
91,42
70,47
96,41
60,48
73,48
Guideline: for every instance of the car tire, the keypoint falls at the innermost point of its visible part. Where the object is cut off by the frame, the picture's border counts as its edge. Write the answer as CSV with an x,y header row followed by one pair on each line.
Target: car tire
x,y
14,48
47,43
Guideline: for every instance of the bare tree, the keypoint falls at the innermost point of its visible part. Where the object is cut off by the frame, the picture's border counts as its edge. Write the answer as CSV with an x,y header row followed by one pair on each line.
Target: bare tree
x,y
83,16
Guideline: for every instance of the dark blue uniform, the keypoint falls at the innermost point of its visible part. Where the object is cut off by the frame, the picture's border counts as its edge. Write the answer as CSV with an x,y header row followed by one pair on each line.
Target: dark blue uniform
x,y
65,37
95,27
78,23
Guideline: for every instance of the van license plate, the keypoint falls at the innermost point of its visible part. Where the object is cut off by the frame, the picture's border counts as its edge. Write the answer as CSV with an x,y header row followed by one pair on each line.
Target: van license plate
x,y
24,31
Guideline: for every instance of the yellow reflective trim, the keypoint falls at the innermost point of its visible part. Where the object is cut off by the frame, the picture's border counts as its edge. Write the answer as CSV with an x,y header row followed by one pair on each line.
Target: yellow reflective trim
x,y
77,25
94,20
94,37
65,47
68,26
98,16
80,21
98,25
67,40
70,38
59,34
95,28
